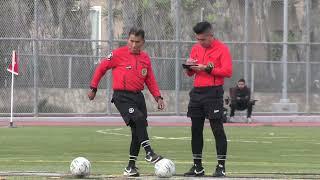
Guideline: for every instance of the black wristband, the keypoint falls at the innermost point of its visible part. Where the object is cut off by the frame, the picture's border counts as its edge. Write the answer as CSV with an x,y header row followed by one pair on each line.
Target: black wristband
x,y
93,89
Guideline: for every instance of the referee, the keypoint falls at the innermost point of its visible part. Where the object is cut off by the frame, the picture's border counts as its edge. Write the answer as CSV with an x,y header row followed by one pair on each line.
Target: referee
x,y
131,69
212,63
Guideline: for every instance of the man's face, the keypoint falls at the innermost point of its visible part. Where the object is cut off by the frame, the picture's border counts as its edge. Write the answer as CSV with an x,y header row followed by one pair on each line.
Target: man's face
x,y
241,85
204,39
135,43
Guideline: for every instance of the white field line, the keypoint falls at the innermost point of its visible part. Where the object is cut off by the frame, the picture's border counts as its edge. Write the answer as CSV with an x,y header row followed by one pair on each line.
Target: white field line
x,y
112,132
247,141
301,155
107,131
273,137
171,138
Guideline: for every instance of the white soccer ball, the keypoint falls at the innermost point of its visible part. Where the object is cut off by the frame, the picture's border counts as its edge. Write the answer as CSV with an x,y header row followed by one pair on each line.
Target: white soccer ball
x,y
164,168
80,167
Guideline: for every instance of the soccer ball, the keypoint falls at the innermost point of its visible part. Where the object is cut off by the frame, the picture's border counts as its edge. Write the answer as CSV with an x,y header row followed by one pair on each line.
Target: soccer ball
x,y
164,168
80,167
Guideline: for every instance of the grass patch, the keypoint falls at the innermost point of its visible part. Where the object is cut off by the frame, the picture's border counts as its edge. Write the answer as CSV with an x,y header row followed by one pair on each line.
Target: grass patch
x,y
285,152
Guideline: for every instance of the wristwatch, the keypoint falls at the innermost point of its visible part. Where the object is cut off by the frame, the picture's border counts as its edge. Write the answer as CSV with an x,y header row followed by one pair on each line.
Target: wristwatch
x,y
209,68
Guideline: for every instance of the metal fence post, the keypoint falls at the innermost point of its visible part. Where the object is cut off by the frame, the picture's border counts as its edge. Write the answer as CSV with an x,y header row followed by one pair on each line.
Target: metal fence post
x,y
285,53
307,40
70,73
35,60
110,41
201,14
178,56
245,48
285,105
252,80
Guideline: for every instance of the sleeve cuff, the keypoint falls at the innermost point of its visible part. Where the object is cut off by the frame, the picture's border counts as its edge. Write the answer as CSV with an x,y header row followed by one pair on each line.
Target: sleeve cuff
x,y
93,89
158,97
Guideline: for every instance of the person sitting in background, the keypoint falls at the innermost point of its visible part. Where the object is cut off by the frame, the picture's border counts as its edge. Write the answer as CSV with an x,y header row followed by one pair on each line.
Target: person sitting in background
x,y
240,100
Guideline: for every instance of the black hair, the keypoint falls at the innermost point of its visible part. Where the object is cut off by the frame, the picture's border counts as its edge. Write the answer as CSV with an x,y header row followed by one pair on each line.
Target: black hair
x,y
137,32
202,27
242,80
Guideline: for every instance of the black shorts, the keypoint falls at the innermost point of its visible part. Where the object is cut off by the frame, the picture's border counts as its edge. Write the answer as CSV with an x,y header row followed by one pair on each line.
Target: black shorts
x,y
131,106
206,102
239,105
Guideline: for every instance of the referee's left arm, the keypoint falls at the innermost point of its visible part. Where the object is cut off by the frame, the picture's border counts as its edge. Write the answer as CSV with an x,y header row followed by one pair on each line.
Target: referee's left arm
x,y
225,70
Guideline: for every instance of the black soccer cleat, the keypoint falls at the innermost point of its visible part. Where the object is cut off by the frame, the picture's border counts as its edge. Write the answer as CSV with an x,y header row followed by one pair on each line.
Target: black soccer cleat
x,y
152,157
220,171
131,171
195,171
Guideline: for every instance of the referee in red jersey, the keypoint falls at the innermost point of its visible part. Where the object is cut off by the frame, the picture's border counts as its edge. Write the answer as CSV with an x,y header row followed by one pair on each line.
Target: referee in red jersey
x,y
131,70
211,63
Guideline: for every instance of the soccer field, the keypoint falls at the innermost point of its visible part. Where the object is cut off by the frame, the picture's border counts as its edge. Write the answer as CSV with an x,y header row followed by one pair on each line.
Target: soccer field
x,y
265,151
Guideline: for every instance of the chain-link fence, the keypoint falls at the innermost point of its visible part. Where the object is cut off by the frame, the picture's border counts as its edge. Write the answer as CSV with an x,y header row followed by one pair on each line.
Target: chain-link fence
x,y
274,44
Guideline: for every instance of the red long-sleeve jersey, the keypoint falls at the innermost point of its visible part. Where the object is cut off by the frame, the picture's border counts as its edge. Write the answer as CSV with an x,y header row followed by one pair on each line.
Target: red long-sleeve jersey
x,y
218,54
129,71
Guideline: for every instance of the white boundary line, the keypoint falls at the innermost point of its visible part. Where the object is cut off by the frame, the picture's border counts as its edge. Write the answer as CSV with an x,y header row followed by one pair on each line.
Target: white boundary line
x,y
272,137
111,132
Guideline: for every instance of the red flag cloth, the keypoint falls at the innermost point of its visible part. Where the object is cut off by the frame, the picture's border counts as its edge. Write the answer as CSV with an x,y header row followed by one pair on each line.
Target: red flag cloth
x,y
14,63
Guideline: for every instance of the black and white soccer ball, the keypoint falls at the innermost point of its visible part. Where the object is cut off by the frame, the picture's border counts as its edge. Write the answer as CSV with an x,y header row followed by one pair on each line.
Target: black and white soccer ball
x,y
164,168
80,167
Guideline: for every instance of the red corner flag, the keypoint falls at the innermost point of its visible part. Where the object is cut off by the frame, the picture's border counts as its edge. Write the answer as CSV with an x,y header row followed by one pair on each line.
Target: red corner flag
x,y
13,67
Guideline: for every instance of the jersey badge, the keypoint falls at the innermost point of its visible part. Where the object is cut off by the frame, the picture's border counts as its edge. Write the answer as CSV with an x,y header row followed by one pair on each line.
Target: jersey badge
x,y
109,57
131,110
144,72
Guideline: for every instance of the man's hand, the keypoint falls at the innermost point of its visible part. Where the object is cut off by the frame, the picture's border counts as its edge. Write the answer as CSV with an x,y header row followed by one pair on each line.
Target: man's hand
x,y
91,95
191,61
199,67
186,71
160,104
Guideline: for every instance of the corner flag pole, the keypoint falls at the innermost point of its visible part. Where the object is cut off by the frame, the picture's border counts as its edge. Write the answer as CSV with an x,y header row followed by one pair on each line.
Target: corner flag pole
x,y
11,106
13,68
12,81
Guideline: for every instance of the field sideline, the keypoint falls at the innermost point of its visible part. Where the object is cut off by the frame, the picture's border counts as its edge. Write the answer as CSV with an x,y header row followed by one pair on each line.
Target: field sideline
x,y
44,148
292,120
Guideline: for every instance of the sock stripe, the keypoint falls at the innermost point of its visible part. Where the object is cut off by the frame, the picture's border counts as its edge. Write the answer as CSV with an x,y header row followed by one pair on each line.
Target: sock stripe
x,y
132,158
146,141
197,156
221,157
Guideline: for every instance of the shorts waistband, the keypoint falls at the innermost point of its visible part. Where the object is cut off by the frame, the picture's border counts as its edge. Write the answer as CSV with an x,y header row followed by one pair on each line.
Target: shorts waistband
x,y
208,87
126,91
